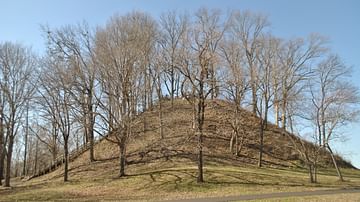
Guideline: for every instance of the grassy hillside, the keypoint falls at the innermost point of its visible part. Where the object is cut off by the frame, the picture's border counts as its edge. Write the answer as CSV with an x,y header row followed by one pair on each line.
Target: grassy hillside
x,y
160,169
180,141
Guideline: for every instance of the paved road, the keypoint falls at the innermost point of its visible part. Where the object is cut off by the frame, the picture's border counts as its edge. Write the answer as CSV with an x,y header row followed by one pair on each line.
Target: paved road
x,y
271,195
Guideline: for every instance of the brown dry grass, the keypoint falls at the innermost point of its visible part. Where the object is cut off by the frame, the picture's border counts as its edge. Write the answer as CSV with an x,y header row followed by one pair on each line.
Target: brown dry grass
x,y
173,179
330,198
166,168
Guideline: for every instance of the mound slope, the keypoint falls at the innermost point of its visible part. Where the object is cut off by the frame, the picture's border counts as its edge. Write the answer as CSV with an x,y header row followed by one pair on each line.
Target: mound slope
x,y
146,147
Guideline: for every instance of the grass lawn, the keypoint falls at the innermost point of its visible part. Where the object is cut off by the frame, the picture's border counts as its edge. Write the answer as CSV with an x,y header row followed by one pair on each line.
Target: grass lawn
x,y
173,181
332,198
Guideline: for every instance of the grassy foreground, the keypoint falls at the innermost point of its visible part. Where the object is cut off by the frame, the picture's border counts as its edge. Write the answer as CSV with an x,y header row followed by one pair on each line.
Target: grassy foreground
x,y
172,180
155,174
333,198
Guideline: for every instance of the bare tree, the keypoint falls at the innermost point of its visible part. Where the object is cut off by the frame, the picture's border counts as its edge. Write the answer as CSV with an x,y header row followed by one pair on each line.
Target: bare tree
x,y
236,86
156,72
26,141
248,27
3,141
41,148
48,132
123,50
203,41
36,157
173,28
309,153
296,57
17,65
334,100
56,85
267,59
76,43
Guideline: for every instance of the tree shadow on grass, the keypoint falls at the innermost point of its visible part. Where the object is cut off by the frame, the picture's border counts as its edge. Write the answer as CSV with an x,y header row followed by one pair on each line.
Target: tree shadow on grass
x,y
185,180
21,188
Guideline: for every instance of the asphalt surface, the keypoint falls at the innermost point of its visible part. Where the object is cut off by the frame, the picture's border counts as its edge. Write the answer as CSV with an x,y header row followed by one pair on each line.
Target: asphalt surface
x,y
270,195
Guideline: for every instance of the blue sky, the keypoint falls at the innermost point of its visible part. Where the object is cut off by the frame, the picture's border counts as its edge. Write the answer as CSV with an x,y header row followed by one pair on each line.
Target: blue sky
x,y
20,21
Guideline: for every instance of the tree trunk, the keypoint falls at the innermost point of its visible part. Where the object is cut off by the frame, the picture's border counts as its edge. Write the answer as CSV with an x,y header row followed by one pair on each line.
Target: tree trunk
x,y
311,176
2,163
283,112
335,164
2,148
254,98
194,117
235,135
200,178
36,156
161,120
172,85
237,142
200,122
54,153
54,143
122,159
160,106
89,123
150,97
66,158
261,144
213,82
91,138
145,105
253,89
263,126
232,142
25,156
315,172
134,101
177,86
276,109
241,142
8,161
110,111
276,99
2,142
24,173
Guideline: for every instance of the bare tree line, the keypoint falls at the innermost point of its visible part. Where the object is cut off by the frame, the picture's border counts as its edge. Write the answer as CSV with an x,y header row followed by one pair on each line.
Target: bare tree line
x,y
95,82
